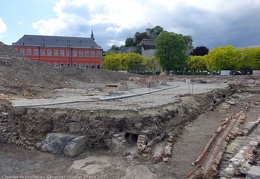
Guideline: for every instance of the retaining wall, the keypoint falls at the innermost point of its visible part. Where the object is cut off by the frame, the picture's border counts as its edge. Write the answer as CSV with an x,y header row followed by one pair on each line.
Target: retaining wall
x,y
28,127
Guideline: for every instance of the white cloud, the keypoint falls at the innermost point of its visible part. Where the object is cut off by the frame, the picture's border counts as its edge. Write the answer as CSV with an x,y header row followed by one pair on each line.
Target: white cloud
x,y
115,20
3,27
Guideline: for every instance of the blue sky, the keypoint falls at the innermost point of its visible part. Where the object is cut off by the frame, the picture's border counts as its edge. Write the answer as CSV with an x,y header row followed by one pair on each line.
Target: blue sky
x,y
211,23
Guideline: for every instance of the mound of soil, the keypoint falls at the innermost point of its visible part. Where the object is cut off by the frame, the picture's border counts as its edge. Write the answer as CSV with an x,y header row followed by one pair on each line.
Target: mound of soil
x,y
20,76
91,75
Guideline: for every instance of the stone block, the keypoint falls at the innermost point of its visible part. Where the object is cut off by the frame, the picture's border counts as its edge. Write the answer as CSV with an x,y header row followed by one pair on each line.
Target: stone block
x,y
253,173
74,127
56,142
253,143
75,147
245,167
122,86
229,172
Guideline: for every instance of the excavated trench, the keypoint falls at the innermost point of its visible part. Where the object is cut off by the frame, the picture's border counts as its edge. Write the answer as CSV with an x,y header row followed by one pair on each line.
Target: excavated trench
x,y
102,128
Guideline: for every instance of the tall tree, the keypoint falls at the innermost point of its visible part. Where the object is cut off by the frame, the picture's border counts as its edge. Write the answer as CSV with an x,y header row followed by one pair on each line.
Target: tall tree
x,y
200,51
157,29
222,58
171,50
188,40
114,47
151,64
140,36
133,62
111,61
129,42
197,63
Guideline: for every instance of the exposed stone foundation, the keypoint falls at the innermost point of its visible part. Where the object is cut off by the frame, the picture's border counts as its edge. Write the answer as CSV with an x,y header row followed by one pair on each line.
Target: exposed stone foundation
x,y
113,129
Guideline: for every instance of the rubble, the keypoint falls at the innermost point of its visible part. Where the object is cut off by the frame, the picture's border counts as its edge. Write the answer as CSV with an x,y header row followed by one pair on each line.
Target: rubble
x,y
253,173
69,145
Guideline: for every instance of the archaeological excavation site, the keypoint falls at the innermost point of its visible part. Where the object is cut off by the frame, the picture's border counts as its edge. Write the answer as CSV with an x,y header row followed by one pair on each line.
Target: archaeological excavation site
x,y
92,123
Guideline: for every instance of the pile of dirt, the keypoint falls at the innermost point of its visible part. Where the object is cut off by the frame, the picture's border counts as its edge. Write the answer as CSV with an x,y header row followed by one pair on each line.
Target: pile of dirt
x,y
20,76
91,75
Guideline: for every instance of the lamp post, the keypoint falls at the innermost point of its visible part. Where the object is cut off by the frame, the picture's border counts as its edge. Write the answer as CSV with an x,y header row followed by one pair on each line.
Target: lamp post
x,y
121,60
39,53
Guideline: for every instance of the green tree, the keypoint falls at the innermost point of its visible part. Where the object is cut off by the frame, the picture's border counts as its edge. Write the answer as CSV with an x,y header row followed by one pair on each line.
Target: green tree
x,y
140,36
222,58
196,63
133,62
114,47
255,63
157,29
112,61
248,58
188,41
138,49
129,42
151,64
171,50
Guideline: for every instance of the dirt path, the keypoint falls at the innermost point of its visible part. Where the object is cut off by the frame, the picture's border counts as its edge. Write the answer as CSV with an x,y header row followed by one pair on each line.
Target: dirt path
x,y
197,134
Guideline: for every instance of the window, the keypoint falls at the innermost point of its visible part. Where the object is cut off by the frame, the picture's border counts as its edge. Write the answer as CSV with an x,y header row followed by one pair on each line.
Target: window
x,y
22,43
92,53
22,51
80,65
35,52
68,43
42,52
98,54
80,53
55,64
98,66
55,52
49,52
86,65
29,52
80,42
43,43
68,64
92,65
86,54
61,52
74,53
74,64
62,64
68,53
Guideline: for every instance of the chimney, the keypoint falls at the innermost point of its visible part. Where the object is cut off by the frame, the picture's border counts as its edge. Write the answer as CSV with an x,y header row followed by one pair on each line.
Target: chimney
x,y
148,31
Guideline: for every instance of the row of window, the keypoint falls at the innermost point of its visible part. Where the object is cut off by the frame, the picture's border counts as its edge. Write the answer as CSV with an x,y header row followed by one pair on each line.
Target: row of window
x,y
50,52
75,65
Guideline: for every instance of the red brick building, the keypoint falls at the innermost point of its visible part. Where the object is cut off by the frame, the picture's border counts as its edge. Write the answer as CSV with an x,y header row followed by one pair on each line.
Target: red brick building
x,y
59,51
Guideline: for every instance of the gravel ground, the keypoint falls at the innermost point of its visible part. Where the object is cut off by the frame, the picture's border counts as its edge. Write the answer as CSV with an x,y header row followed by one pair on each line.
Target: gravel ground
x,y
152,97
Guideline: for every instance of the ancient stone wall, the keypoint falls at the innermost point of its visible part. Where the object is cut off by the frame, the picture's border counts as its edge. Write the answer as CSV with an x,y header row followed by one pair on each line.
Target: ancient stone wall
x,y
29,126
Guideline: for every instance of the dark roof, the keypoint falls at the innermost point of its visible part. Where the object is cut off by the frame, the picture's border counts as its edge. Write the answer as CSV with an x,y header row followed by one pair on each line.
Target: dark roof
x,y
56,41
